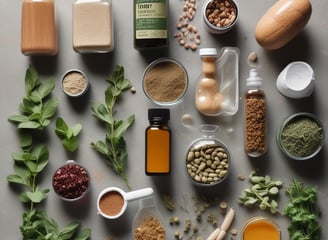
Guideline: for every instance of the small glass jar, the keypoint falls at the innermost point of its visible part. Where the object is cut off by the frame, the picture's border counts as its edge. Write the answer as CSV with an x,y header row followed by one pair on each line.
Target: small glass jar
x,y
165,82
215,18
214,167
259,228
294,144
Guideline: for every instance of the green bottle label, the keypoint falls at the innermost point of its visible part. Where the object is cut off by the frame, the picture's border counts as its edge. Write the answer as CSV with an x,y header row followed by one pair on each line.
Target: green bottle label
x,y
151,19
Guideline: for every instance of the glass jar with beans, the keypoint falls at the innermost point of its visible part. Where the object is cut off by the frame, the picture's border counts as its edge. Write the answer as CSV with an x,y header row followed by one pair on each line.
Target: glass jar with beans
x,y
207,158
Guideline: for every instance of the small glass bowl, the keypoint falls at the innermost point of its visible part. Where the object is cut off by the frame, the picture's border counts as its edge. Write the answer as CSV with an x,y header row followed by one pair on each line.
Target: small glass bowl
x,y
207,148
293,119
74,83
219,29
165,82
77,178
265,228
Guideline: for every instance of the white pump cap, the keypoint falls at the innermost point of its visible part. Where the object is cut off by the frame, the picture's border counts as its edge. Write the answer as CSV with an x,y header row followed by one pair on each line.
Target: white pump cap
x,y
253,80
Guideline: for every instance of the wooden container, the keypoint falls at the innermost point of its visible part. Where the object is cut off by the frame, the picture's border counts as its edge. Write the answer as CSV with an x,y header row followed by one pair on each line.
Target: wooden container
x,y
38,28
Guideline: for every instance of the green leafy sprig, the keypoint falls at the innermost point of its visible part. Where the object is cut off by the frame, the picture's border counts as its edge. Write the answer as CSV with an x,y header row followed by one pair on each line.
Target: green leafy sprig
x,y
114,146
261,193
302,212
68,135
38,225
37,107
27,166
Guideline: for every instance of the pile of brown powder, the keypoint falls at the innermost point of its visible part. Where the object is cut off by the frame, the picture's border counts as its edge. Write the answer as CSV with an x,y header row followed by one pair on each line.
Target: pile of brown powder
x,y
150,229
165,82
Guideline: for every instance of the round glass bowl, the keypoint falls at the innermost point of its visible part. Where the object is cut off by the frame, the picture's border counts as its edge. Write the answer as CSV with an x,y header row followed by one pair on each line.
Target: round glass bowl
x,y
301,136
258,228
207,159
74,83
220,16
71,181
165,82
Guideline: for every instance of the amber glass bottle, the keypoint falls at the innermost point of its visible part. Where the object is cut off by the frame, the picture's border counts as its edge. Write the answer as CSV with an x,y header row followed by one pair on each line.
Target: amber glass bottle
x,y
150,24
158,142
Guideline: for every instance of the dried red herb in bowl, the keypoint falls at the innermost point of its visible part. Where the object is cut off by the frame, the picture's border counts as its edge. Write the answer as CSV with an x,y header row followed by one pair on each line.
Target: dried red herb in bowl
x,y
71,181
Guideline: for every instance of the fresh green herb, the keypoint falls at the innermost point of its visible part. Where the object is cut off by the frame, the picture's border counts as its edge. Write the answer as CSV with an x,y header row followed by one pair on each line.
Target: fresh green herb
x,y
114,146
37,107
38,225
28,164
302,211
67,134
261,193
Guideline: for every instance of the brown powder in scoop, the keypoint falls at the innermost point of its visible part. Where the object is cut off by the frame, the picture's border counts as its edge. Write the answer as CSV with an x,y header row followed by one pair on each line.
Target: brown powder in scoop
x,y
111,203
149,229
165,81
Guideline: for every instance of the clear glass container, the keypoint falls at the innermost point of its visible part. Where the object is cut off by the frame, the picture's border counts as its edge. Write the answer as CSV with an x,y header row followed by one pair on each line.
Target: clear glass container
x,y
301,139
199,170
148,215
258,228
221,86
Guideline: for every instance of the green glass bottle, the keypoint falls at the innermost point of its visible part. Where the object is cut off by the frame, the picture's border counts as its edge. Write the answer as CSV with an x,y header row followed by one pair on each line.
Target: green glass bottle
x,y
150,24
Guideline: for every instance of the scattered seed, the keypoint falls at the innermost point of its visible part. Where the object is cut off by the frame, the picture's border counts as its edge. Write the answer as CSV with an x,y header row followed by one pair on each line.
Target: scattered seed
x,y
252,57
234,231
133,89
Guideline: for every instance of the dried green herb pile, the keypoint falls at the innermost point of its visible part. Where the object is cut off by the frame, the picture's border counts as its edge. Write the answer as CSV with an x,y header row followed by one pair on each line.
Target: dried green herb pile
x,y
302,136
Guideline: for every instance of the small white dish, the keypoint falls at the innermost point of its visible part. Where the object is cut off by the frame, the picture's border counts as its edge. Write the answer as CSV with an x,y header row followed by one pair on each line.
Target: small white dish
x,y
296,80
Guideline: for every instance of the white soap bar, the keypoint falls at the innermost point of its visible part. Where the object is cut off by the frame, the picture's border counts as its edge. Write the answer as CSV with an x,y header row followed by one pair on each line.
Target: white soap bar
x,y
93,26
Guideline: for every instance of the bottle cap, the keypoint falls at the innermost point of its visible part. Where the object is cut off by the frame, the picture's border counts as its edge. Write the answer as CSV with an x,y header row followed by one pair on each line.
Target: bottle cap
x,y
208,52
253,80
159,114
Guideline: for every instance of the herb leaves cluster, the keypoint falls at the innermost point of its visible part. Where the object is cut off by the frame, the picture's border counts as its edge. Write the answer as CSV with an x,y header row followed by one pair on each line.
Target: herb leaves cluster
x,y
68,135
302,211
114,146
37,108
261,193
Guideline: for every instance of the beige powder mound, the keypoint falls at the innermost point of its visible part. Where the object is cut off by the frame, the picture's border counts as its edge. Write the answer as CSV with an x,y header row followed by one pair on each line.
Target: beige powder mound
x,y
165,82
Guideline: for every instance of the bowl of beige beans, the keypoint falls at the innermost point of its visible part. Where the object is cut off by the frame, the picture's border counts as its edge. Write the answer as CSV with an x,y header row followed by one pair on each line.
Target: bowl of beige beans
x,y
220,16
207,161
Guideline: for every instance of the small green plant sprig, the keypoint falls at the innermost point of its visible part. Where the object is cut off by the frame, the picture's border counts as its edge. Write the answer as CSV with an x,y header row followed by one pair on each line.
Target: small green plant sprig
x,y
261,193
68,135
114,146
37,106
302,211
28,164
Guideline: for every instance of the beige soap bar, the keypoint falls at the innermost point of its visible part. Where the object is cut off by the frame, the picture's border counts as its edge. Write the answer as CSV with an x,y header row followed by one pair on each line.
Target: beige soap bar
x,y
38,28
92,26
